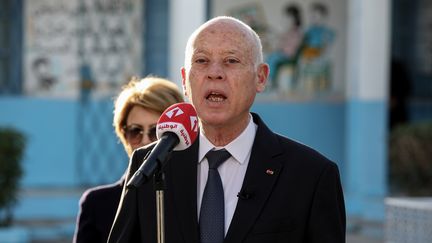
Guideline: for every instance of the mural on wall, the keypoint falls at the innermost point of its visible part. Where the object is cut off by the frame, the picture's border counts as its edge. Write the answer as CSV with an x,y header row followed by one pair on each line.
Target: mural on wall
x,y
80,47
303,44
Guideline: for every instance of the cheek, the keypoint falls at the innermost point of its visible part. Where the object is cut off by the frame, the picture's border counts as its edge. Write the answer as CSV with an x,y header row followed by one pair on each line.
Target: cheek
x,y
190,86
191,83
248,81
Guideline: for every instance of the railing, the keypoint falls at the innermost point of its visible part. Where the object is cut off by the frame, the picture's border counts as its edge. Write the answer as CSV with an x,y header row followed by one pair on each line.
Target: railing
x,y
408,220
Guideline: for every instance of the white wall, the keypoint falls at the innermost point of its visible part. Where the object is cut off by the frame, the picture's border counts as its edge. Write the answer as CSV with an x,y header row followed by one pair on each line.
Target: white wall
x,y
186,16
368,49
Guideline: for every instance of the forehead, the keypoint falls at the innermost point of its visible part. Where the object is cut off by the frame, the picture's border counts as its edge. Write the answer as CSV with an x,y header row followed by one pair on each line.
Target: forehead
x,y
225,37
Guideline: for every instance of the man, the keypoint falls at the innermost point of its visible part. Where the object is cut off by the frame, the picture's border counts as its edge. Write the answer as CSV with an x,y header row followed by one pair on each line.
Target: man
x,y
274,189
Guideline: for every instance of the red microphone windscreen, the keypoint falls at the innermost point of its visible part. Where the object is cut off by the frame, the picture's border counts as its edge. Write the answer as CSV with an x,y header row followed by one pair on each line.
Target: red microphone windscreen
x,y
181,119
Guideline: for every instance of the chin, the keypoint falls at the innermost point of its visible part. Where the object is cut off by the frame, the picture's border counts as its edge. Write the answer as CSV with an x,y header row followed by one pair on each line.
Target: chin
x,y
213,119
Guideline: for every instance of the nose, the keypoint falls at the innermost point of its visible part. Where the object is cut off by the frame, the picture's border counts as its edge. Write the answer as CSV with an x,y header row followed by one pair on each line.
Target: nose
x,y
216,71
145,140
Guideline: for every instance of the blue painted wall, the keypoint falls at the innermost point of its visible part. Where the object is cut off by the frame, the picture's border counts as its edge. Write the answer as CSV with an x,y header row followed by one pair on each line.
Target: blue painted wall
x,y
52,182
156,38
50,129
366,174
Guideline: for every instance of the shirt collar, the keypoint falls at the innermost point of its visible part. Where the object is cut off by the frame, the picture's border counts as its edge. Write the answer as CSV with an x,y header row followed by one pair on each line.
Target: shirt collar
x,y
239,148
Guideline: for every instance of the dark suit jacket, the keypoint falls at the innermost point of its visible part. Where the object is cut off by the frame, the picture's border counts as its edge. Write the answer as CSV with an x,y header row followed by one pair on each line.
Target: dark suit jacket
x,y
293,193
98,207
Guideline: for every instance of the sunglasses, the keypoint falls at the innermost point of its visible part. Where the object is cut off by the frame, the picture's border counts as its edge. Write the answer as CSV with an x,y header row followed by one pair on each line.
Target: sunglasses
x,y
134,133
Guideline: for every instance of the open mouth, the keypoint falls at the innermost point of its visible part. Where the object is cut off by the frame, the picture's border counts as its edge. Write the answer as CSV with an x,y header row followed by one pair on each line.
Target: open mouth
x,y
215,97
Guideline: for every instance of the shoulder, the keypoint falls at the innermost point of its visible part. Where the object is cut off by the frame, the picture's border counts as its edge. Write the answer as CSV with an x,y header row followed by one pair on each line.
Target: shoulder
x,y
302,152
138,156
101,193
304,164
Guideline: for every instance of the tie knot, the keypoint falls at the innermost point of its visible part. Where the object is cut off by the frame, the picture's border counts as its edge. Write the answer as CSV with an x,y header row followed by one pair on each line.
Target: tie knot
x,y
217,157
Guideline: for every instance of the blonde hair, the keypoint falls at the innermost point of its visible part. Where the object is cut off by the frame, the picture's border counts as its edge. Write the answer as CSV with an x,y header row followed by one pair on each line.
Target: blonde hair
x,y
152,93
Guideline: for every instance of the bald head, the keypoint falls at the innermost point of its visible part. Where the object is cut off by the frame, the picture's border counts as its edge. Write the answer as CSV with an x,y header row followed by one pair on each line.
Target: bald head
x,y
228,25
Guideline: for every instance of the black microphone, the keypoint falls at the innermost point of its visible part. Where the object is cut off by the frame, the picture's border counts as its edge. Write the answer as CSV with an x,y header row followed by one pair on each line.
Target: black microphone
x,y
177,129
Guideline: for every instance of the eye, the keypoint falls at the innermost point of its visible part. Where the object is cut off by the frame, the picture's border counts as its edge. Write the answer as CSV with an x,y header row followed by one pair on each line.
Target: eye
x,y
200,60
133,130
232,60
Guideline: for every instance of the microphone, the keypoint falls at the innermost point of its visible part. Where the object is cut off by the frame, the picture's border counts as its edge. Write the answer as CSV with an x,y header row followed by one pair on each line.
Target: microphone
x,y
176,129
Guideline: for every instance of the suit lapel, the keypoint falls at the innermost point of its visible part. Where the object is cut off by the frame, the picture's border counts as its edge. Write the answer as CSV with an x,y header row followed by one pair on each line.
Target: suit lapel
x,y
183,171
261,176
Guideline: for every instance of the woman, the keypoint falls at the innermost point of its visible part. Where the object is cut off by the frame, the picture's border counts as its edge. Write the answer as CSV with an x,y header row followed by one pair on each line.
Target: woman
x,y
136,112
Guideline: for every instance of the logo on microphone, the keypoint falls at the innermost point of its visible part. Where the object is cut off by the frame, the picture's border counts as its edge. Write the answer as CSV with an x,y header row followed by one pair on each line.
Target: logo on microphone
x,y
174,112
194,123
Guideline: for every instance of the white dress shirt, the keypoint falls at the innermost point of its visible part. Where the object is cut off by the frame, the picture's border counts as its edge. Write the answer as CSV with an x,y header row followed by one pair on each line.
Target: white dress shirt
x,y
232,171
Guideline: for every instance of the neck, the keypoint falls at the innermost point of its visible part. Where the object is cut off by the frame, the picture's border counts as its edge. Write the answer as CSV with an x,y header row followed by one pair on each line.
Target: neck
x,y
223,135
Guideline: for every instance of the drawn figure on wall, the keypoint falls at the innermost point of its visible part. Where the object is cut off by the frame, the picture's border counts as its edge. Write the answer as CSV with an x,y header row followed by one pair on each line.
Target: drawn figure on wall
x,y
106,34
283,61
42,71
314,64
253,15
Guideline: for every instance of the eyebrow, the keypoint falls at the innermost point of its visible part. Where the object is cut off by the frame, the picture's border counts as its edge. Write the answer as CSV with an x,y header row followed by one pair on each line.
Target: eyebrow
x,y
201,51
139,125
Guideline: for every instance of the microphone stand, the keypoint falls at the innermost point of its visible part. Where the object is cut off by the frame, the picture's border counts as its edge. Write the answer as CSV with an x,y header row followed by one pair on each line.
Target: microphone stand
x,y
159,185
153,165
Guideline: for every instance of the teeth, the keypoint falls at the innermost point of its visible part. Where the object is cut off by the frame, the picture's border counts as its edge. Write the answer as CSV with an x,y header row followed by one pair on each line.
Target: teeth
x,y
215,98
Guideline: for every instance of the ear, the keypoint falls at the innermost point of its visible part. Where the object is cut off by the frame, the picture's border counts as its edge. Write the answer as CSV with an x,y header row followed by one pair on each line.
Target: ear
x,y
183,74
263,73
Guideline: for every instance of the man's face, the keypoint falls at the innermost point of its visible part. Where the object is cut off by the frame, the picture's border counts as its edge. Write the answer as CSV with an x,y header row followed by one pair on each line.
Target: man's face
x,y
221,78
